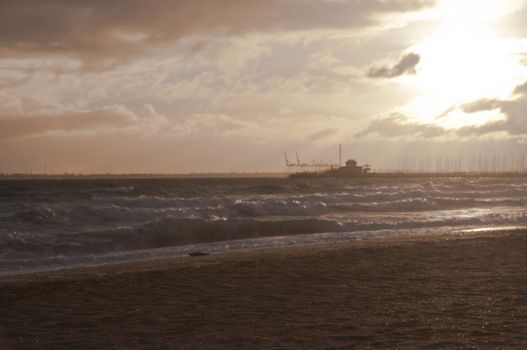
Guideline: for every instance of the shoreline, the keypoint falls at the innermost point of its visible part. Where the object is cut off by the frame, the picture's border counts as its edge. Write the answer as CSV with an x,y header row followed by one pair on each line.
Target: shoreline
x,y
433,292
187,260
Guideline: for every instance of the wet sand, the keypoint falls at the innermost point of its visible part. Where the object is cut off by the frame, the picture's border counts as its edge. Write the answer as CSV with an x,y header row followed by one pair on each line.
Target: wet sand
x,y
422,293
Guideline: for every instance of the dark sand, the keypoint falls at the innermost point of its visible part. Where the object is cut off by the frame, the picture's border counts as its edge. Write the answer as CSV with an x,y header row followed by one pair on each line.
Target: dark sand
x,y
430,293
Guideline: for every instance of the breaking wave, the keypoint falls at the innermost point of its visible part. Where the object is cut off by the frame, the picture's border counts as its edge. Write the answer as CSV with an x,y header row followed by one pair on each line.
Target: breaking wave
x,y
65,220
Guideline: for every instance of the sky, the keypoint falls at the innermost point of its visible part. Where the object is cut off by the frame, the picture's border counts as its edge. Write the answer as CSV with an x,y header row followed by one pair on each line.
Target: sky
x,y
181,86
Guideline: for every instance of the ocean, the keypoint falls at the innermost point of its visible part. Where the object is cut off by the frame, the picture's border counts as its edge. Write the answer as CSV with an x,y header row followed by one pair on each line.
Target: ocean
x,y
56,224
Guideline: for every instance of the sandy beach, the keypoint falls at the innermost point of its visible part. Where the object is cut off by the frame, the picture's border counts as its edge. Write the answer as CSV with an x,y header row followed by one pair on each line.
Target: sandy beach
x,y
420,293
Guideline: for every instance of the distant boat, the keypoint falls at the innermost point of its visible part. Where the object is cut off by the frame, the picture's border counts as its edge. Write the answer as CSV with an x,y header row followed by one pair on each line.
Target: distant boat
x,y
351,169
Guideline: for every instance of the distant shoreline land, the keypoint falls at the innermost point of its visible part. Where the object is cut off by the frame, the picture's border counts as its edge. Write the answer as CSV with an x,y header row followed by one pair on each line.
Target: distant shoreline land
x,y
234,175
24,176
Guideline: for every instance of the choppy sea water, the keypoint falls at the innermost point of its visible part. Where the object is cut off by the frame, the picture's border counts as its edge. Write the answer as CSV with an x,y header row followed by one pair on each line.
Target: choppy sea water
x,y
53,224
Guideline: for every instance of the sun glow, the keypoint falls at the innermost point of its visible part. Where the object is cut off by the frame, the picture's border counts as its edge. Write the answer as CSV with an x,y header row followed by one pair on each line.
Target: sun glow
x,y
462,61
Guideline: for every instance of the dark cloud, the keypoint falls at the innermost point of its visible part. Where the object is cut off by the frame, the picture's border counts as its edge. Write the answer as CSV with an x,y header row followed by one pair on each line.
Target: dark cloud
x,y
445,113
398,126
406,65
521,89
109,28
480,105
515,121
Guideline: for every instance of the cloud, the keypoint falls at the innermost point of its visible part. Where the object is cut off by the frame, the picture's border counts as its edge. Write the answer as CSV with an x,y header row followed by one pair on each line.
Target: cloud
x,y
398,126
212,124
112,28
323,134
20,126
515,118
513,123
480,106
109,119
406,65
521,89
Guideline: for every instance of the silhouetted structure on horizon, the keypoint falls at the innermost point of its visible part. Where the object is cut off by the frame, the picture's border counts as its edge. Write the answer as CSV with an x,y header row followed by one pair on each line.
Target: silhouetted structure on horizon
x,y
351,168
